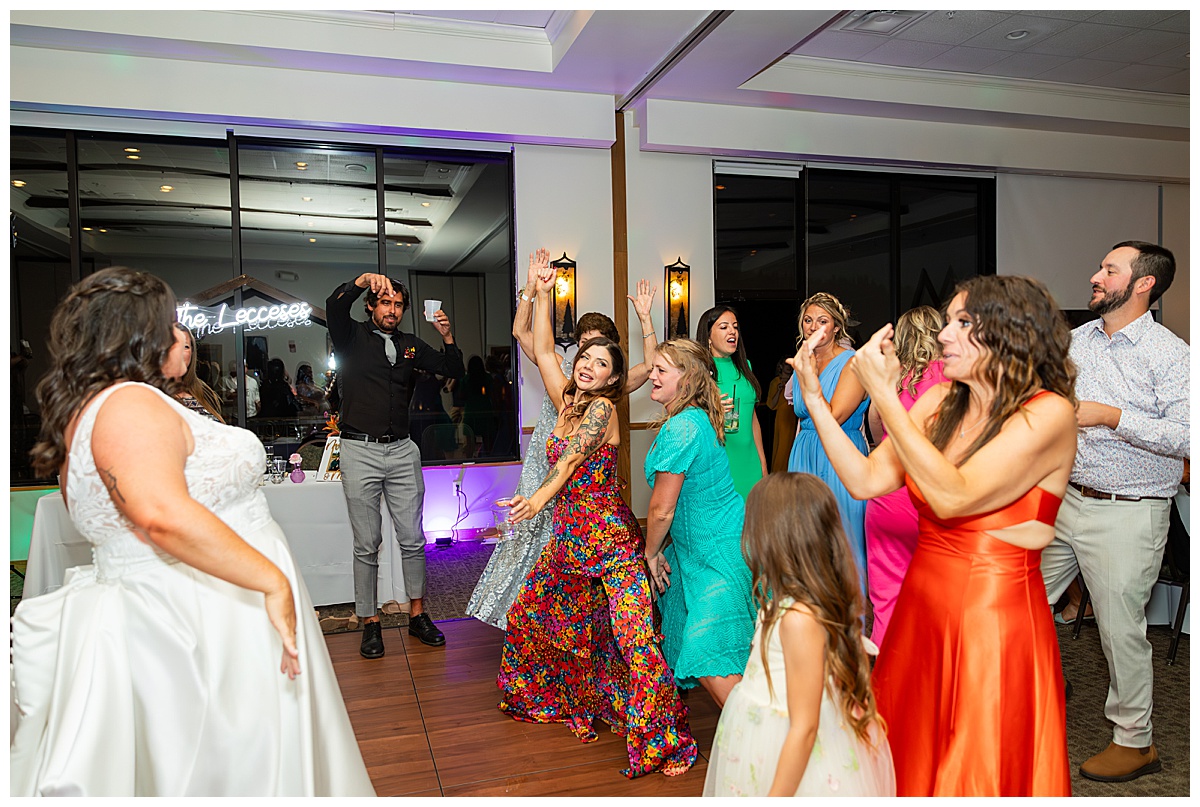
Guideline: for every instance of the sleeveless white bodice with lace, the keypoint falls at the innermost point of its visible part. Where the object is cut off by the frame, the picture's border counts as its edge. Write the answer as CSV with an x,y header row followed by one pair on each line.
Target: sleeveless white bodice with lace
x,y
223,474
143,675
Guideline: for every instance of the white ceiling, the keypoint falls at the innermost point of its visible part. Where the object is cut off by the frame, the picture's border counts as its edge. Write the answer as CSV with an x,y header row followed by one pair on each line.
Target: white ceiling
x,y
1127,70
1131,50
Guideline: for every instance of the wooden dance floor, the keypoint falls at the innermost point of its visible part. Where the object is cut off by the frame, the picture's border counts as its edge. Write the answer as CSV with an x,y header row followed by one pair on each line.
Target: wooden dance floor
x,y
427,724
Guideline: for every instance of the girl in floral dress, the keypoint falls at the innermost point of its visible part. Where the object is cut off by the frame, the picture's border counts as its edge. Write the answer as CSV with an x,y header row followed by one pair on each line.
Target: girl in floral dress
x,y
802,720
580,642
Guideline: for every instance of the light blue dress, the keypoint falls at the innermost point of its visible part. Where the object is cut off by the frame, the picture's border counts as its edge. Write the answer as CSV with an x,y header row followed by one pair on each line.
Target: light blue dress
x,y
708,614
808,456
512,560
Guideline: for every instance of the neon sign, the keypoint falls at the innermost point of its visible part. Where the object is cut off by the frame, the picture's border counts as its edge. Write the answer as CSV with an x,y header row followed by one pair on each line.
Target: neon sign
x,y
204,321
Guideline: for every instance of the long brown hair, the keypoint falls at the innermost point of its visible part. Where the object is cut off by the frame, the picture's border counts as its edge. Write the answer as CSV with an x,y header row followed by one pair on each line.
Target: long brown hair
x,y
193,385
917,344
697,386
114,325
795,546
613,391
1023,340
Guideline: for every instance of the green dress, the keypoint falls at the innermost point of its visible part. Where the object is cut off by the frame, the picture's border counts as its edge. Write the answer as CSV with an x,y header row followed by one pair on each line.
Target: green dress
x,y
739,446
707,612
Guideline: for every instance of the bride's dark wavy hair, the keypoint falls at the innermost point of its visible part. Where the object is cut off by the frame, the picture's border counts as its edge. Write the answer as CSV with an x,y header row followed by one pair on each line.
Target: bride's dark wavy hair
x,y
114,325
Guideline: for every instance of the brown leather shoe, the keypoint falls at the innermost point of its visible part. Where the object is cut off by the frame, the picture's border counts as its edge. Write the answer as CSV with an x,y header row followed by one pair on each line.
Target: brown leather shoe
x,y
1120,763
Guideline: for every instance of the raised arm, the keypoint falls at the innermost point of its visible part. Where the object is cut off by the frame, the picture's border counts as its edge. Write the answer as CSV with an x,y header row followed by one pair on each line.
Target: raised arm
x,y
866,477
143,469
642,305
847,395
523,320
595,430
548,362
1036,445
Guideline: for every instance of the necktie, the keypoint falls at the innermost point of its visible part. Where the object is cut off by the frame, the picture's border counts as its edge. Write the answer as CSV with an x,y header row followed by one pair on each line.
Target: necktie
x,y
389,346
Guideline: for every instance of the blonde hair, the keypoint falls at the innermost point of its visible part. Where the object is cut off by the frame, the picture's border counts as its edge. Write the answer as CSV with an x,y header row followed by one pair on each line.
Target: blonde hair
x,y
917,345
697,385
795,546
834,308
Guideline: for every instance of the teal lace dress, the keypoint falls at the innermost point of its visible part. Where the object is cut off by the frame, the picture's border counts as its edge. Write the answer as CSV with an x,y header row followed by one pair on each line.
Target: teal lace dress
x,y
707,613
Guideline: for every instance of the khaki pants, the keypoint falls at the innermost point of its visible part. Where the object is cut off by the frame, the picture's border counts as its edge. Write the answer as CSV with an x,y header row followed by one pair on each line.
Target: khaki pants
x,y
1118,546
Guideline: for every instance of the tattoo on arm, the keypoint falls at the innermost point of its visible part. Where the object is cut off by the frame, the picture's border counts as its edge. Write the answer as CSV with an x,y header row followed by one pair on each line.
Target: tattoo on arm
x,y
550,477
110,482
591,432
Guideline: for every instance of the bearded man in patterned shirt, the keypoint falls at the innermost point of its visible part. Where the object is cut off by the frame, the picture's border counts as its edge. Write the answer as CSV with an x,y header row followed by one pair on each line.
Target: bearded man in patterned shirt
x,y
1134,417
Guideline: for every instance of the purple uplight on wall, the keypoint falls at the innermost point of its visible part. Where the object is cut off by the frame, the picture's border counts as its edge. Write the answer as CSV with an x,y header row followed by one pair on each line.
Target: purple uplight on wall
x,y
481,485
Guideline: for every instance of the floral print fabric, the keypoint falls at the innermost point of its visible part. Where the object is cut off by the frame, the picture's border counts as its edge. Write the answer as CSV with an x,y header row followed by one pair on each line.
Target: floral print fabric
x,y
580,643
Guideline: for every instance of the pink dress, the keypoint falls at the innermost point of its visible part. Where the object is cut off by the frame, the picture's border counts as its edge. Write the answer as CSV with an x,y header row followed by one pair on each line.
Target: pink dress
x,y
891,527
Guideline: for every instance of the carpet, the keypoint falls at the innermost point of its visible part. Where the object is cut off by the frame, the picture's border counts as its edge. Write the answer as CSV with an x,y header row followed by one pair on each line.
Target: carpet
x,y
450,576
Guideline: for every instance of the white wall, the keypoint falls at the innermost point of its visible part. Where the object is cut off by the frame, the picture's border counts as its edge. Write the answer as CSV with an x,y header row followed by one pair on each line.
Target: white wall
x,y
1177,237
1059,229
669,205
686,126
564,203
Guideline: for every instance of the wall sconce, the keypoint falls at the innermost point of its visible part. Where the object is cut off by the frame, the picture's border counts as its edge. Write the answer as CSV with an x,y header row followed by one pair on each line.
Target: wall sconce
x,y
564,300
676,285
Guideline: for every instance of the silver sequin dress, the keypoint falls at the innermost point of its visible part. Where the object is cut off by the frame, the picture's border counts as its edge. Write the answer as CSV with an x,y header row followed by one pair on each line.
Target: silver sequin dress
x,y
512,560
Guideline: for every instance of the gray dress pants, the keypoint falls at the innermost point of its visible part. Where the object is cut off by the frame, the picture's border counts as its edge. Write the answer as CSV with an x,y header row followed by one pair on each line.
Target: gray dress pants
x,y
391,471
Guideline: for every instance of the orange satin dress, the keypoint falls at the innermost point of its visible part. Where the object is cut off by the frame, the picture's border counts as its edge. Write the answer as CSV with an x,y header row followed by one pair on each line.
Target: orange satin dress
x,y
969,680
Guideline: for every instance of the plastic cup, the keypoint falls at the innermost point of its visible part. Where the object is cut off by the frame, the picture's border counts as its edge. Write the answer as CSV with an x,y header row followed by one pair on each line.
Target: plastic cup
x,y
431,308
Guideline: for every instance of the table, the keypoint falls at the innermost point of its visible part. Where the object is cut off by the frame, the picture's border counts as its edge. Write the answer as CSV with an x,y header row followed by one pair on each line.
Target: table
x,y
312,515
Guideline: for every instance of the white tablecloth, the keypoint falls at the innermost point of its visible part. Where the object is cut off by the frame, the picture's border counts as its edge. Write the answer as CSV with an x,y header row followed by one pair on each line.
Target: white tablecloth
x,y
312,515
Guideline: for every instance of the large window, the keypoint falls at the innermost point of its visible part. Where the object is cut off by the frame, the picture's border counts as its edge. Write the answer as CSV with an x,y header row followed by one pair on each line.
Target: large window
x,y
882,243
242,222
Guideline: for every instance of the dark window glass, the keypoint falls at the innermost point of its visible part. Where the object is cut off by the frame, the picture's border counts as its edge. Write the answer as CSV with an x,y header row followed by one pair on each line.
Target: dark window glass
x,y
881,243
308,217
755,222
939,239
39,275
308,224
849,245
449,235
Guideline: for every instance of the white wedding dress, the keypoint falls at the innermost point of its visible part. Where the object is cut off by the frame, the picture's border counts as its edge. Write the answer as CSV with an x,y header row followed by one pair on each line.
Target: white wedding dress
x,y
145,676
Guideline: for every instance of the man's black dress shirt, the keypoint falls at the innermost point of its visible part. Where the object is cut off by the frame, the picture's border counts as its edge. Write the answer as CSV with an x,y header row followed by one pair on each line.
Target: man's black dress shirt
x,y
374,392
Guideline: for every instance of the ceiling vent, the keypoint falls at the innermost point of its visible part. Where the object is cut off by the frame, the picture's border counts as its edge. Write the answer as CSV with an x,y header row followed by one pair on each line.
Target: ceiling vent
x,y
880,23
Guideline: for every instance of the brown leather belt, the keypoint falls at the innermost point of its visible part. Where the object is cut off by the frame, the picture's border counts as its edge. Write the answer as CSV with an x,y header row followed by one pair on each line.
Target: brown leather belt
x,y
1092,493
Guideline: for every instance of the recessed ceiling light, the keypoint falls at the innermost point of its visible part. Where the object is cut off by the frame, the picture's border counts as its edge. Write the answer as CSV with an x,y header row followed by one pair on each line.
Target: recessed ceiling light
x,y
355,167
424,204
87,229
166,188
720,187
302,166
306,198
1018,34
18,183
308,224
132,150
132,157
312,240
103,230
443,170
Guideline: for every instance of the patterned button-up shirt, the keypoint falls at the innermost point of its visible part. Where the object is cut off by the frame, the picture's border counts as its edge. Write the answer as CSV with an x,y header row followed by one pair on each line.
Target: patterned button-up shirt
x,y
1142,370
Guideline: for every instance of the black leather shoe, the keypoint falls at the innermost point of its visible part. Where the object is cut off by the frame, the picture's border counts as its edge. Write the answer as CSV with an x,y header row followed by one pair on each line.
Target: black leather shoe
x,y
423,628
372,641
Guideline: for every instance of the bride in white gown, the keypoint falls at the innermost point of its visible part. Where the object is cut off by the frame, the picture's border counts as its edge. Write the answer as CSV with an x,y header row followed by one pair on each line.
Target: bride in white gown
x,y
174,664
